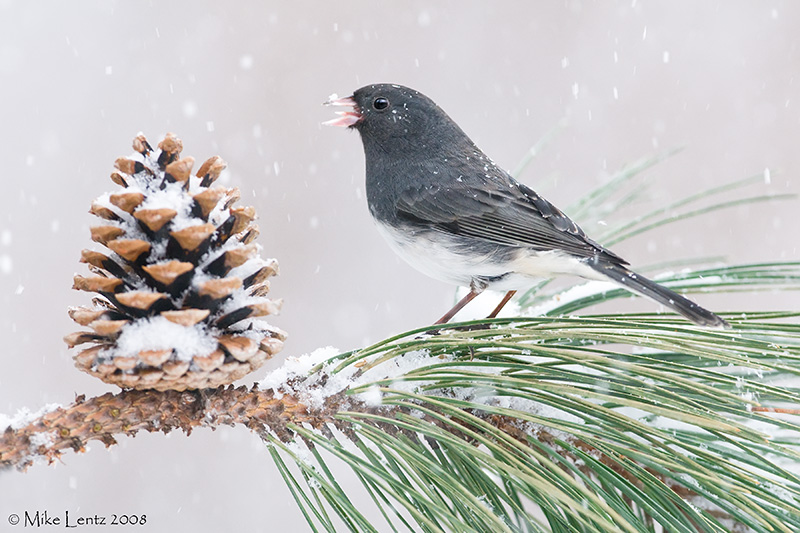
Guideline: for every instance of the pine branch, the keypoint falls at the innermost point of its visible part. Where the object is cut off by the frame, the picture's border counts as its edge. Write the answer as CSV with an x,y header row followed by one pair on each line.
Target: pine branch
x,y
603,423
438,438
105,418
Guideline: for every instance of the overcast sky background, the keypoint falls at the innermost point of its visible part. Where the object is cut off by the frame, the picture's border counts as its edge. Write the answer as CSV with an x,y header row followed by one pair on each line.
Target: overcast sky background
x,y
245,81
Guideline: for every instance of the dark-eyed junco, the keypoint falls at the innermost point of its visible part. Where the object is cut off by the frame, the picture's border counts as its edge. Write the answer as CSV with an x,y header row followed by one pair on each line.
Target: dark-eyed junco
x,y
450,212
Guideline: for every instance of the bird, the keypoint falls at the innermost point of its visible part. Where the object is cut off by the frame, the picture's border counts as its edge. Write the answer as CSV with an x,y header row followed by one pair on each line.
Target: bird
x,y
449,211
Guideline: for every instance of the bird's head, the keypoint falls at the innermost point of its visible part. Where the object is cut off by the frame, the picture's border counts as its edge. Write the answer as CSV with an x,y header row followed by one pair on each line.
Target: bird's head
x,y
395,119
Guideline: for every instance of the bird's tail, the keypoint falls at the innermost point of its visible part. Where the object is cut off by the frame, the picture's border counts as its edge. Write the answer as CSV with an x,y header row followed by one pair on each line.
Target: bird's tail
x,y
650,289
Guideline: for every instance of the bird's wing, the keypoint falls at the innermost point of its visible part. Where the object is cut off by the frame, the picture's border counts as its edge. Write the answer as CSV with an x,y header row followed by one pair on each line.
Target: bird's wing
x,y
510,214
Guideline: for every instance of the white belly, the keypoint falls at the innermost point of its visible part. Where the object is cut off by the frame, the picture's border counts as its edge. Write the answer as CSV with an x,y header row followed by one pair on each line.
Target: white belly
x,y
434,257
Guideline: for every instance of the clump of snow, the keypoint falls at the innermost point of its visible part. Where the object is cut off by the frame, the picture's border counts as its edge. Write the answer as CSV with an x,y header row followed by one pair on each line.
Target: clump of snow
x,y
42,439
158,333
183,222
372,397
397,368
238,299
173,196
293,378
219,213
314,389
25,416
255,328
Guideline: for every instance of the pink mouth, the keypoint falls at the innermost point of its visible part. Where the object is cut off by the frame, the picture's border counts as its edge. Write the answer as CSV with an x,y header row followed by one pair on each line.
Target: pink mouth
x,y
346,119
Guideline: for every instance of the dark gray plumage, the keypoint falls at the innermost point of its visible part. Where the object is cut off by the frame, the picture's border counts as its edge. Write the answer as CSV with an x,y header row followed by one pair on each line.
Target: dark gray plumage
x,y
449,211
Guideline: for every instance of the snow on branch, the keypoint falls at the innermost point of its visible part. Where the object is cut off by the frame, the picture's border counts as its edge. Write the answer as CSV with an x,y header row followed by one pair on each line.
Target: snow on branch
x,y
107,417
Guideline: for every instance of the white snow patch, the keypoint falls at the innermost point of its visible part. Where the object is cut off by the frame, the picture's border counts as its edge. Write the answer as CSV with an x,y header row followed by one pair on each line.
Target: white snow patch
x,y
306,388
171,197
314,389
238,299
256,329
372,397
25,416
398,367
42,439
158,333
781,492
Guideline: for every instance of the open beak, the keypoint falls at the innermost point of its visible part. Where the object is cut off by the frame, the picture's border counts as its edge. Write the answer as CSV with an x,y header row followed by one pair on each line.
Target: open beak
x,y
346,119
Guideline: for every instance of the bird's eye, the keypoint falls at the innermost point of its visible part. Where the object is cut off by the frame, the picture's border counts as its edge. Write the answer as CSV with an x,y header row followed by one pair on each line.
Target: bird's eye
x,y
380,103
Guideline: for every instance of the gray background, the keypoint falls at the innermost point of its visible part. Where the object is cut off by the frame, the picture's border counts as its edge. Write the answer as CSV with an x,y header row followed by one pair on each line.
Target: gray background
x,y
245,80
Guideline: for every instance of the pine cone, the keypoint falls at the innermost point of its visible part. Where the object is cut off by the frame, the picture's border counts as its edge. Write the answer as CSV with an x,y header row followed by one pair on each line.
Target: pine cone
x,y
183,284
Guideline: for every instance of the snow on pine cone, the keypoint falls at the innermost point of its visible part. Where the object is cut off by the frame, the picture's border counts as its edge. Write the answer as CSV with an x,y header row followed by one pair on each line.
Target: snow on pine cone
x,y
183,285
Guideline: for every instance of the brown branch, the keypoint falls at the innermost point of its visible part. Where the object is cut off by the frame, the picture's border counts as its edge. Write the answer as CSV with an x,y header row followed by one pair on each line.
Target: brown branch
x,y
108,416
781,410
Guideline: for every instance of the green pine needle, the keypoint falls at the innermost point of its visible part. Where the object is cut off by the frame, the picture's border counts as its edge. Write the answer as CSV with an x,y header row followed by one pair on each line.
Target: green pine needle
x,y
598,423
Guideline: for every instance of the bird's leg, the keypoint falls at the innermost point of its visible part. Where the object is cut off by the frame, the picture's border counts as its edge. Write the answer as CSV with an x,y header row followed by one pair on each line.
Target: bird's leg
x,y
503,302
458,307
474,290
